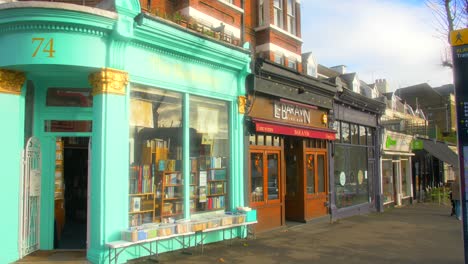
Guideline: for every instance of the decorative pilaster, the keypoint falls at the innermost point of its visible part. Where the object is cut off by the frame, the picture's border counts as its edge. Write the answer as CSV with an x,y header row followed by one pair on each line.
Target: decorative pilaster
x,y
108,81
241,101
11,81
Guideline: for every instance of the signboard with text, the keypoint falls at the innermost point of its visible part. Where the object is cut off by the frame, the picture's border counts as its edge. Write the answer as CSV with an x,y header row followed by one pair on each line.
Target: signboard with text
x,y
459,42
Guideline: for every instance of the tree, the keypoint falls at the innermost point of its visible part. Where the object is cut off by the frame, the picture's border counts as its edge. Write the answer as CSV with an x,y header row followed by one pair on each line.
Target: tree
x,y
450,15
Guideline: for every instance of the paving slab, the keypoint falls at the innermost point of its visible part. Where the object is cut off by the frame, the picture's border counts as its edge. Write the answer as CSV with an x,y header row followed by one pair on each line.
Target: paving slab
x,y
419,233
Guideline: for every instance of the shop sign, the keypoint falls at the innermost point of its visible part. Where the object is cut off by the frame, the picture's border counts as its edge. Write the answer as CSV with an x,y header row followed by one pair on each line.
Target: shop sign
x,y
291,112
287,112
294,131
397,142
417,144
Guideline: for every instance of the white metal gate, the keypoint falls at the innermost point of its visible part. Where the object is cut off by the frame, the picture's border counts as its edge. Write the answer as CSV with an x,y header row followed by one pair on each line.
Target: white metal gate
x,y
30,196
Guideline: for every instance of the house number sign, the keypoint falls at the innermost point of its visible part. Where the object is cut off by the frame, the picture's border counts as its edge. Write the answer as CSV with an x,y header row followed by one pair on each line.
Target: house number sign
x,y
43,45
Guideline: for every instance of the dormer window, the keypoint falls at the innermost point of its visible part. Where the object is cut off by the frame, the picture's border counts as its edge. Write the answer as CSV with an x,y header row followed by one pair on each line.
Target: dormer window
x,y
309,65
291,8
278,13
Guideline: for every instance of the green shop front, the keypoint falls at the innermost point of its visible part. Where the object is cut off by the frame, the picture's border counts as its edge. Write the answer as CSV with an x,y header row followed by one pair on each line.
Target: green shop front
x,y
112,120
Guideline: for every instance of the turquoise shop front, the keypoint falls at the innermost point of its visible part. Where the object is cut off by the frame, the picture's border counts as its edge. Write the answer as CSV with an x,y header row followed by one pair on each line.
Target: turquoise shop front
x,y
133,119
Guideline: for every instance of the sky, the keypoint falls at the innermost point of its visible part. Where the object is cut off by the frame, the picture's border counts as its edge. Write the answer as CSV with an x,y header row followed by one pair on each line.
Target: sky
x,y
394,40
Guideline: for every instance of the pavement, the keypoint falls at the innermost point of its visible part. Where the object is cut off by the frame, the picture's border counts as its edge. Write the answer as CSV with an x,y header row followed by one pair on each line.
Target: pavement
x,y
419,233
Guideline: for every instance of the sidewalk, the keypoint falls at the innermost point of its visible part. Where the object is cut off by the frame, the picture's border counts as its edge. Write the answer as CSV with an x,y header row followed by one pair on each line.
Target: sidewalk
x,y
421,233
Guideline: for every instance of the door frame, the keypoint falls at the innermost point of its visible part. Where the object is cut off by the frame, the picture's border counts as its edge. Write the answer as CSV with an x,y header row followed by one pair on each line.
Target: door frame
x,y
42,112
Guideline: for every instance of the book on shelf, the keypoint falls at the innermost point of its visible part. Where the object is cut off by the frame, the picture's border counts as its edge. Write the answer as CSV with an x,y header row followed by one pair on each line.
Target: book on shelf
x,y
217,174
141,179
215,203
135,203
216,188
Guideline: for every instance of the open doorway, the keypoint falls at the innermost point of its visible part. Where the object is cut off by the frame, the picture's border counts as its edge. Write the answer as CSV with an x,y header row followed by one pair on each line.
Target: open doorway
x,y
71,193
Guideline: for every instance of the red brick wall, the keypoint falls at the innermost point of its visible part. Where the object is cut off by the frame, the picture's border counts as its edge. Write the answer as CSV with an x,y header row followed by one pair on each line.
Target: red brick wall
x,y
219,11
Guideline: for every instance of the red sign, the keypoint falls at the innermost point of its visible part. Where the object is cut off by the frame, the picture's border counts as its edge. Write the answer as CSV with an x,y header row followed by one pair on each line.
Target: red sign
x,y
294,131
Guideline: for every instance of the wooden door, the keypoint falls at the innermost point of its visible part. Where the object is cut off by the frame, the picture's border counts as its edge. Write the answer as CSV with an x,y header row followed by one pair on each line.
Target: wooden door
x,y
265,188
316,184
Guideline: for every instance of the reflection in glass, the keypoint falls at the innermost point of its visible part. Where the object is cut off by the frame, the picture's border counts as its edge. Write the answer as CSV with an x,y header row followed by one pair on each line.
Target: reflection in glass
x,y
345,132
310,171
354,130
351,179
272,176
387,180
69,97
68,126
321,173
256,172
405,178
362,135
155,147
209,145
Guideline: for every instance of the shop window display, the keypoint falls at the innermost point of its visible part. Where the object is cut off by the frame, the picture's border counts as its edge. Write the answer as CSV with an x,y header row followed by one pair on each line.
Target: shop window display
x,y
405,178
351,176
387,181
209,154
156,180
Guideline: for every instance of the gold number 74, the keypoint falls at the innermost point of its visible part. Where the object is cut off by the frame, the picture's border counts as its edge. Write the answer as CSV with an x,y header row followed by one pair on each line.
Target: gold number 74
x,y
48,47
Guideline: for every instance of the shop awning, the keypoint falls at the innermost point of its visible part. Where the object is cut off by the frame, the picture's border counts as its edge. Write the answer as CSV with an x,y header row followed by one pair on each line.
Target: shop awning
x,y
441,151
297,131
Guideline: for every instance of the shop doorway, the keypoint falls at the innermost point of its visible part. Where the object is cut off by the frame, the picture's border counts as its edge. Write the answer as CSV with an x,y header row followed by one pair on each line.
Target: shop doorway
x,y
71,192
306,179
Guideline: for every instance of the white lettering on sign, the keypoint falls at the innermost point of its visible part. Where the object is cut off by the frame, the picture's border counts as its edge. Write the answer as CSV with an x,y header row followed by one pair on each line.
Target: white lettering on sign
x,y
291,112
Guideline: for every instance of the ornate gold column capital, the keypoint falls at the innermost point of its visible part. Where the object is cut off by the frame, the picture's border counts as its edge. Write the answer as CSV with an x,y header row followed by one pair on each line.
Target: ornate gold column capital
x,y
11,82
108,81
241,100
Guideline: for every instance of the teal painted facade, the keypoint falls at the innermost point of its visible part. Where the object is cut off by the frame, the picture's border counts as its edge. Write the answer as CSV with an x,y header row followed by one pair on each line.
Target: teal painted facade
x,y
60,45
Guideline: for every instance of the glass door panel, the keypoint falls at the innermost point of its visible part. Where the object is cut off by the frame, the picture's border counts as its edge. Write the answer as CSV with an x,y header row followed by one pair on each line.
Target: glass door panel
x,y
321,173
273,172
310,172
256,177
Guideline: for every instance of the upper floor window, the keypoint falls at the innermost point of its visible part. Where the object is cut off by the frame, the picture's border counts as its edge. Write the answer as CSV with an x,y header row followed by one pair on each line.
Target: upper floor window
x,y
292,63
291,16
261,13
278,13
278,58
227,1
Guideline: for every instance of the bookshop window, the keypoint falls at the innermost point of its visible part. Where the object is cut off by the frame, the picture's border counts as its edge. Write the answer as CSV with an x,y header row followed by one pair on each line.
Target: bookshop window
x,y
155,144
209,154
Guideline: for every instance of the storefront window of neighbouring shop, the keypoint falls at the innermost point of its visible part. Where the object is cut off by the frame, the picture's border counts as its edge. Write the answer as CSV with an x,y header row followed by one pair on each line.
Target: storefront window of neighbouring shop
x,y
351,166
387,180
156,180
264,169
405,178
